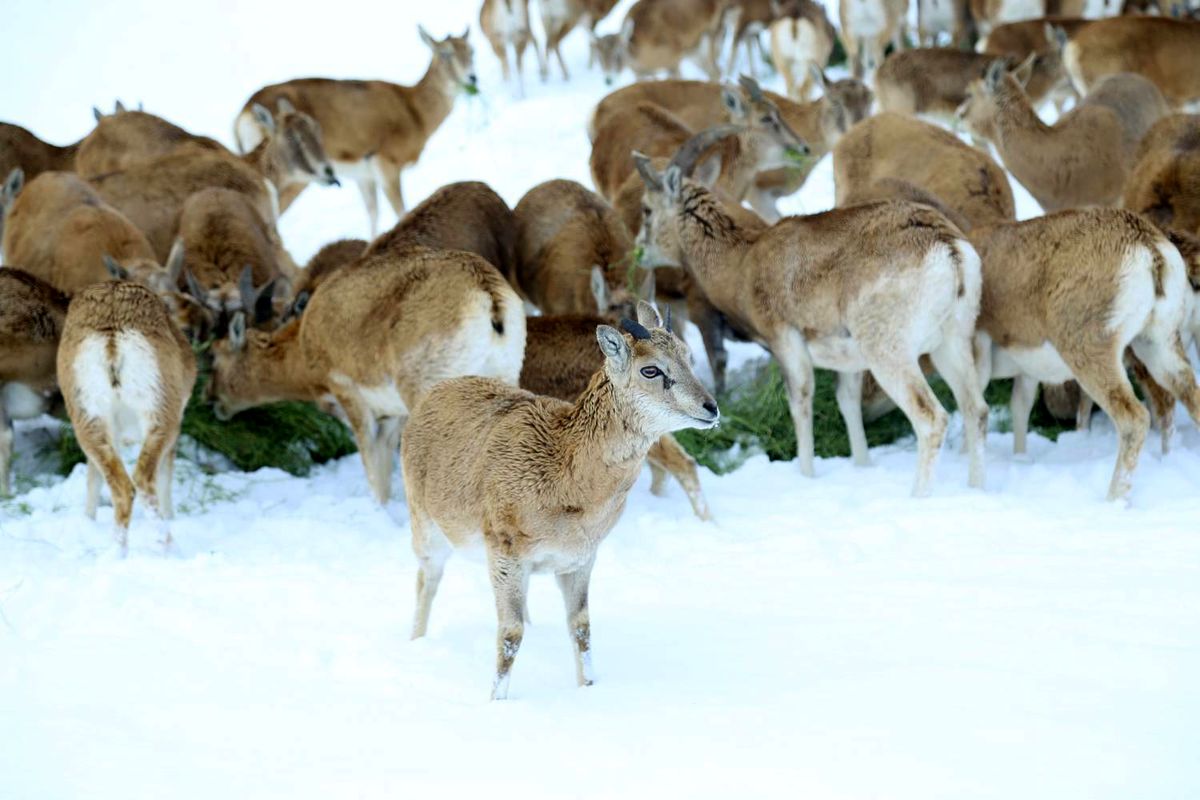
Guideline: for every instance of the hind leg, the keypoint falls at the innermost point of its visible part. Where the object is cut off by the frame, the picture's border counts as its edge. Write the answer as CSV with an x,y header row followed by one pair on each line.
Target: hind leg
x,y
432,549
849,400
1109,386
146,473
1162,402
905,383
96,443
795,362
954,362
1166,361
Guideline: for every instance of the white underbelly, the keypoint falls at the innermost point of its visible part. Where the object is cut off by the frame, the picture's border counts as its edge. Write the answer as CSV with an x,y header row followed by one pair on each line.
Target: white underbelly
x,y
839,353
868,18
21,402
1017,10
1044,364
937,15
384,400
800,41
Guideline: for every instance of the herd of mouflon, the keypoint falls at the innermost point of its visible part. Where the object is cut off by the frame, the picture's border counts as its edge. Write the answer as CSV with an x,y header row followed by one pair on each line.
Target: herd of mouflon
x,y
526,430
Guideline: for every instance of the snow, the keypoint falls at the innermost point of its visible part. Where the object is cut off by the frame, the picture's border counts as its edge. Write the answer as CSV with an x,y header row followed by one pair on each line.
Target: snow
x,y
825,638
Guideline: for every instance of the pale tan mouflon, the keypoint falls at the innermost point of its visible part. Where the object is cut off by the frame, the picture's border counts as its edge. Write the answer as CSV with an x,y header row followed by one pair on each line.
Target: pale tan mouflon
x,y
897,147
1082,159
1162,50
505,24
697,106
987,14
934,81
950,17
657,35
539,481
467,215
152,193
763,141
59,229
224,237
1064,296
19,148
290,156
872,287
560,17
573,254
31,320
373,129
868,26
126,373
560,359
375,336
1164,183
802,40
742,23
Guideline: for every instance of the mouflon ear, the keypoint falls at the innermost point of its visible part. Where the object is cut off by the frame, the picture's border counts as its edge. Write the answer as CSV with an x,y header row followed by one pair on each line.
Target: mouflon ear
x,y
614,346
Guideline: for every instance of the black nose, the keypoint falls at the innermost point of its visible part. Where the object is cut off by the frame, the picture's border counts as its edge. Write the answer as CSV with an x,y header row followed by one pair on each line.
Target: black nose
x,y
710,407
472,79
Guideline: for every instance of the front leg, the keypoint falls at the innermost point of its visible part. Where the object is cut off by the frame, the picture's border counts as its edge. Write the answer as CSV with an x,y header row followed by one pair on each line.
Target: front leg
x,y
510,577
791,352
574,587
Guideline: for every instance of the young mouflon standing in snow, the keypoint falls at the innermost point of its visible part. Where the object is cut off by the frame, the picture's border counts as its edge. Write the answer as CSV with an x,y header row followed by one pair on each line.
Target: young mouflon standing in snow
x,y
540,481
126,372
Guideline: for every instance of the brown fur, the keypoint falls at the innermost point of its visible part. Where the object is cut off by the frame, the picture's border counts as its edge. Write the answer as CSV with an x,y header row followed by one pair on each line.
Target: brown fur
x,y
654,130
813,290
864,51
1085,157
383,123
698,106
658,34
222,234
1164,183
375,338
1018,39
1162,50
31,319
898,147
289,157
467,215
563,231
152,193
328,260
935,81
112,313
505,23
991,13
797,64
560,18
60,230
20,148
540,481
560,358
1059,279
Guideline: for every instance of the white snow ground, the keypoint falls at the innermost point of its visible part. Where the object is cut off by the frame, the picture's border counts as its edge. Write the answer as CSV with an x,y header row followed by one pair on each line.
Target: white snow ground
x,y
827,638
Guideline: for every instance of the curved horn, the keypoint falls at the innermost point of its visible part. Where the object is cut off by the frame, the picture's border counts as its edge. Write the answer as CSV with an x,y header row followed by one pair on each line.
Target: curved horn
x,y
689,154
634,329
752,88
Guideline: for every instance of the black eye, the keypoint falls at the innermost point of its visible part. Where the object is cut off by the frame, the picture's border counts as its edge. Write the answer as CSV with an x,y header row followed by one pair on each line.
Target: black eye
x,y
645,211
650,373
